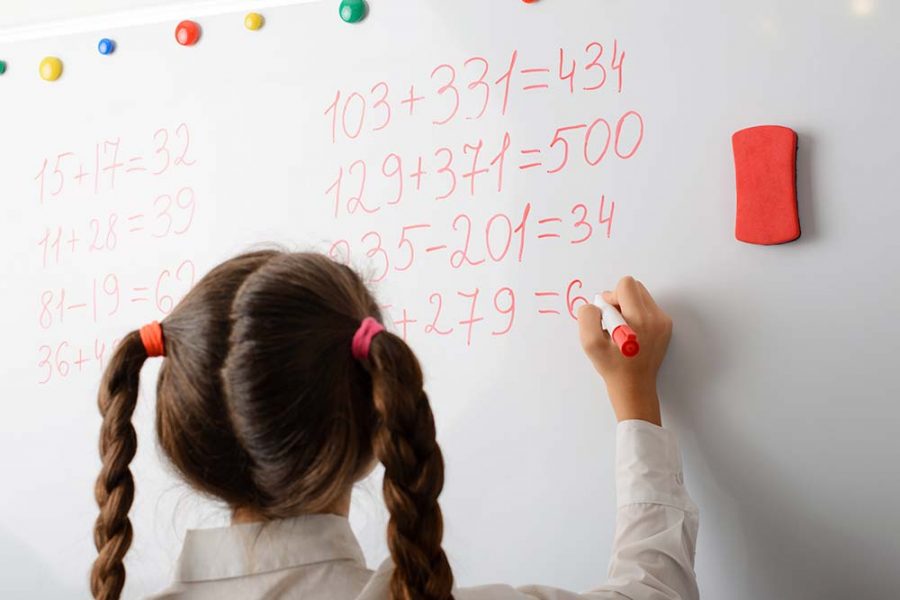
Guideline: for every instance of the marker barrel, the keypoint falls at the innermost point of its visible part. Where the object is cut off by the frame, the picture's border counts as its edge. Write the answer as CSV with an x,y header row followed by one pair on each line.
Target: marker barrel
x,y
613,322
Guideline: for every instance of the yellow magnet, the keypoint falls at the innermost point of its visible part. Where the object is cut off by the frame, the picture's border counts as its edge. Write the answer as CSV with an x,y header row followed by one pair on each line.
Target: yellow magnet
x,y
51,68
254,21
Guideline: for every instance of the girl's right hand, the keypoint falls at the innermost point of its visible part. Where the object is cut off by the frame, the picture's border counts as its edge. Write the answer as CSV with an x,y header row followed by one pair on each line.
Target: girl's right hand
x,y
630,382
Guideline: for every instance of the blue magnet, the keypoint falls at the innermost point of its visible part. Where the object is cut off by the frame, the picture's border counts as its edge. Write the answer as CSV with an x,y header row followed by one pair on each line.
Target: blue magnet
x,y
106,46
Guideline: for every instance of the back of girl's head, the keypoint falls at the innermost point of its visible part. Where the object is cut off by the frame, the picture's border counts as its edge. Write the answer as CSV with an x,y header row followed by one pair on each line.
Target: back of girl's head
x,y
260,403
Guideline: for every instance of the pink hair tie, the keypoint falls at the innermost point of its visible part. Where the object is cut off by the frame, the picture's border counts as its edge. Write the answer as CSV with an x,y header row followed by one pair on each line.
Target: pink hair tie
x,y
152,337
362,339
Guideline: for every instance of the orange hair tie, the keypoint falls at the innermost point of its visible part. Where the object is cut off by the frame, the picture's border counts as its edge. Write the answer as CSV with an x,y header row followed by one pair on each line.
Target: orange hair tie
x,y
152,337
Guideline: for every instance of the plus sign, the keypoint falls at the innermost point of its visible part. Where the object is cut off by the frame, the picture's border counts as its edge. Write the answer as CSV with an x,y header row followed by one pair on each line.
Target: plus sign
x,y
404,322
412,99
418,175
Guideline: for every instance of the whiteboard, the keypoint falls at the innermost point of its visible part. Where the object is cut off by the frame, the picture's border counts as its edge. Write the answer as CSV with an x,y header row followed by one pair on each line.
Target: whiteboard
x,y
162,161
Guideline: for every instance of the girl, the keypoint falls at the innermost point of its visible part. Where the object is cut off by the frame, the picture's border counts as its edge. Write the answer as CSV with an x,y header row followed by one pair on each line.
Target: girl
x,y
280,389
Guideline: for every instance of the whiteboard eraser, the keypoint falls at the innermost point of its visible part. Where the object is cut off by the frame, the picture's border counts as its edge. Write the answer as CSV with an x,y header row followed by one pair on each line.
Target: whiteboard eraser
x,y
765,165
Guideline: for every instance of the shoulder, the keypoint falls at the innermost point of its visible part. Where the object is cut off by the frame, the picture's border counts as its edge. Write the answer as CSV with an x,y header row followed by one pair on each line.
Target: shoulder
x,y
170,593
378,588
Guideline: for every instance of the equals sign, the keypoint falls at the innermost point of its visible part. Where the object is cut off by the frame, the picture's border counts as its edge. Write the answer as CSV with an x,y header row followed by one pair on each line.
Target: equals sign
x,y
134,220
140,298
546,221
547,311
132,161
538,86
530,165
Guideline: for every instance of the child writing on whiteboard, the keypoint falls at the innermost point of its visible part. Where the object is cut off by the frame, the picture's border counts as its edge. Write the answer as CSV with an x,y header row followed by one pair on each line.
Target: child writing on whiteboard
x,y
280,389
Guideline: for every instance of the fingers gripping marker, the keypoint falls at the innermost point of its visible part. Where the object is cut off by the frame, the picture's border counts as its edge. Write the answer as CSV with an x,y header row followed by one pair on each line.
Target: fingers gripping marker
x,y
613,322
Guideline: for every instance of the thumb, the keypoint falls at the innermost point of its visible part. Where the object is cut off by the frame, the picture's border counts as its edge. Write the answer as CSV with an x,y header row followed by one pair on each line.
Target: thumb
x,y
590,331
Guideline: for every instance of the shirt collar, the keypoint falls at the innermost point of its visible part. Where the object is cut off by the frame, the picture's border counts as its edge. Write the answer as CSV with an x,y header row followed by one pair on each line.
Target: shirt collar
x,y
252,548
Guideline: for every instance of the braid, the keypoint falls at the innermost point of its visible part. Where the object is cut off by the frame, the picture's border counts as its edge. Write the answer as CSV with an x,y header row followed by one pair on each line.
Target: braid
x,y
405,443
114,489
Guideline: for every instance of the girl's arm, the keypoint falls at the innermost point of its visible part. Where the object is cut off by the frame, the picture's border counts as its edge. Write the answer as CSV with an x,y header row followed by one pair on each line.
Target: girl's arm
x,y
656,528
656,520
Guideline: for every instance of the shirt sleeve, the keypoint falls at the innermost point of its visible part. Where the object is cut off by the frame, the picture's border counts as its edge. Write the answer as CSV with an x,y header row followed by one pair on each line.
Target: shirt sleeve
x,y
656,527
656,520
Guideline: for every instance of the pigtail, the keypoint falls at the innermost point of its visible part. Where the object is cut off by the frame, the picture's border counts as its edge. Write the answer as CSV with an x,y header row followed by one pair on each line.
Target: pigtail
x,y
405,443
114,489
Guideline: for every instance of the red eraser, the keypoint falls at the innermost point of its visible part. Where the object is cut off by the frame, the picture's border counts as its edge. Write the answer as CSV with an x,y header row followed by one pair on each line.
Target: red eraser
x,y
765,166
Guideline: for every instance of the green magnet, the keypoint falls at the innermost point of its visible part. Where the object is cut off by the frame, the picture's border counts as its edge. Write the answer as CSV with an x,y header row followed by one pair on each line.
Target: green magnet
x,y
2,67
353,11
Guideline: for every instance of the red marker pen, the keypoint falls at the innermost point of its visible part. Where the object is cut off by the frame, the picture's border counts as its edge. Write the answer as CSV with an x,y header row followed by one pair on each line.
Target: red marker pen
x,y
623,335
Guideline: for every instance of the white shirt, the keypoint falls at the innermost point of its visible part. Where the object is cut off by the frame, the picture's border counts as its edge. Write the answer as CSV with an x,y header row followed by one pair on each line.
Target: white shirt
x,y
317,557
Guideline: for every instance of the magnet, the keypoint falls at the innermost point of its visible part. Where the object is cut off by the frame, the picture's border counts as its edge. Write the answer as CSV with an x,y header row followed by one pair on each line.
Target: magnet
x,y
51,68
187,33
254,21
106,46
353,11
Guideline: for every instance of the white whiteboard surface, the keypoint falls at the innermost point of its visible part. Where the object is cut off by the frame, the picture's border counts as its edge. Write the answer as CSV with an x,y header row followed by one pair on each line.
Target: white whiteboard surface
x,y
23,13
781,378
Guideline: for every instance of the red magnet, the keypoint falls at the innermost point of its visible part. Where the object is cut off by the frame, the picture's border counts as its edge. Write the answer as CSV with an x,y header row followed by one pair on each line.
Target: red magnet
x,y
187,33
529,1
765,166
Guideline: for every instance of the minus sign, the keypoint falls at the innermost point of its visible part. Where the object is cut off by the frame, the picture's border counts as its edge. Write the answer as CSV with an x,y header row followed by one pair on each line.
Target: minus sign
x,y
433,248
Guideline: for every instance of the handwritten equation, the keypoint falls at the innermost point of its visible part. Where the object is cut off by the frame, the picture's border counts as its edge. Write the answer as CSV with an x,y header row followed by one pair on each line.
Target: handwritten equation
x,y
499,238
64,174
99,204
467,312
394,198
473,89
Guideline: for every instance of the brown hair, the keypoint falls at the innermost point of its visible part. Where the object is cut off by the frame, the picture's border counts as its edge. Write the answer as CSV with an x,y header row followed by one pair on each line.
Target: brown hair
x,y
260,403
